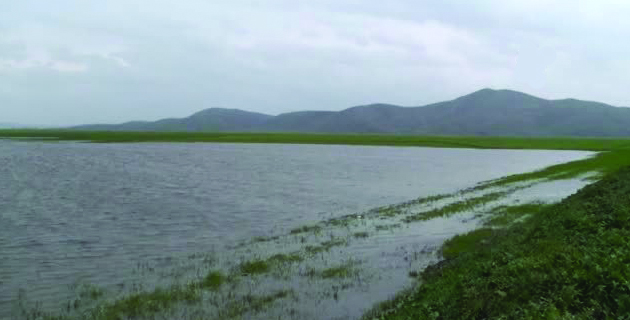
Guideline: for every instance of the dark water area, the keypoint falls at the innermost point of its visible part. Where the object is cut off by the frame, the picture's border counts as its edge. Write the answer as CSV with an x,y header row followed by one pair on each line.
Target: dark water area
x,y
73,212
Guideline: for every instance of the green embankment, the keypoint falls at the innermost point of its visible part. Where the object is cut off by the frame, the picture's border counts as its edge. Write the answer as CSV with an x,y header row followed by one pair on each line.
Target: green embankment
x,y
566,261
560,143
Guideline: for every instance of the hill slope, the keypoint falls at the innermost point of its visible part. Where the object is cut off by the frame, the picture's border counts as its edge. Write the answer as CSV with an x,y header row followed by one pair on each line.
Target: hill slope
x,y
485,112
214,119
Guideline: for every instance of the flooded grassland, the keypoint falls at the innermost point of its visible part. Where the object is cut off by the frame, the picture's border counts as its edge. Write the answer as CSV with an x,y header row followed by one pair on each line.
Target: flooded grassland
x,y
330,263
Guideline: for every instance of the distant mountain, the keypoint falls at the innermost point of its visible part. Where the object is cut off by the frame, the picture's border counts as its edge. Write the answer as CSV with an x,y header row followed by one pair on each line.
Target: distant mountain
x,y
485,112
214,119
6,125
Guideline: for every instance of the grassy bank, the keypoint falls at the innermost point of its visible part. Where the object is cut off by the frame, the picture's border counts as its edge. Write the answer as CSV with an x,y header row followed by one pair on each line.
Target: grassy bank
x,y
566,261
592,144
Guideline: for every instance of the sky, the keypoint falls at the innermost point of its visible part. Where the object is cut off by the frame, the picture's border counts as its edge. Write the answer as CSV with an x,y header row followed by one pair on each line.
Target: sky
x,y
68,62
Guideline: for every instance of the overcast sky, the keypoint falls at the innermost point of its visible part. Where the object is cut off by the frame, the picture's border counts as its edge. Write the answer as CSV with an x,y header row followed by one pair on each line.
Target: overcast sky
x,y
69,62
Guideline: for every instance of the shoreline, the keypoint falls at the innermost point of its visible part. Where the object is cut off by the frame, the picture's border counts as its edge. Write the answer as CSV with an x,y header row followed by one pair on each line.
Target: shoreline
x,y
565,261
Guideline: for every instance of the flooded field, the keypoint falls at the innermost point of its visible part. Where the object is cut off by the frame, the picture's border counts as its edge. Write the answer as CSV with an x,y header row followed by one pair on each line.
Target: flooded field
x,y
237,230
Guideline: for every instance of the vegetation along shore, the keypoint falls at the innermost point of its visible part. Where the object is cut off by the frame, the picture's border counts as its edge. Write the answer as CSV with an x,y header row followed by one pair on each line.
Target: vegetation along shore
x,y
566,261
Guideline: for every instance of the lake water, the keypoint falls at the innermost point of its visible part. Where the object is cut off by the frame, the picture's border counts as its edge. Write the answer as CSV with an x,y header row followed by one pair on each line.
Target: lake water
x,y
73,212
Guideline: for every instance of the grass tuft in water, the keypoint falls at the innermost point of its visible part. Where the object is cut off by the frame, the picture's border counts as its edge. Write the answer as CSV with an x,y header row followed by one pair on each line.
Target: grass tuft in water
x,y
90,292
325,246
461,206
214,280
342,221
286,258
361,234
254,267
264,239
252,303
382,227
345,270
145,303
390,211
305,229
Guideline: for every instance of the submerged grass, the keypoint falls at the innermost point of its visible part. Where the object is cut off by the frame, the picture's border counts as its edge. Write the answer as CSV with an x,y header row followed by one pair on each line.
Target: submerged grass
x,y
568,261
345,270
504,215
252,303
325,246
145,303
214,280
343,221
261,266
361,234
286,258
460,206
91,292
305,229
255,267
381,227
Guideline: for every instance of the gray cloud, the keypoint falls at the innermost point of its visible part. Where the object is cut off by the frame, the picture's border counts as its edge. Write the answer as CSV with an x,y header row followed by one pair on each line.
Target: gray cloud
x,y
72,62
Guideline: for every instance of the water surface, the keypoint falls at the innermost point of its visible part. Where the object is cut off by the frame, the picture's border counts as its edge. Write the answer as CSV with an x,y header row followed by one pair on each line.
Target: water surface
x,y
91,212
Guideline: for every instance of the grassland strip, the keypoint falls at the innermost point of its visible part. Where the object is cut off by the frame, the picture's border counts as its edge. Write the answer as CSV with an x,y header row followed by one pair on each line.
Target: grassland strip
x,y
476,142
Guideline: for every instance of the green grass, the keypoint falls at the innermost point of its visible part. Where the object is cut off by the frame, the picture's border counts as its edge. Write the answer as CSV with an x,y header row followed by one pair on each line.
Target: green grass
x,y
381,227
150,303
214,280
252,303
559,143
342,221
465,243
260,266
361,234
255,267
264,239
325,246
568,261
389,211
305,229
145,303
345,270
90,292
460,206
286,258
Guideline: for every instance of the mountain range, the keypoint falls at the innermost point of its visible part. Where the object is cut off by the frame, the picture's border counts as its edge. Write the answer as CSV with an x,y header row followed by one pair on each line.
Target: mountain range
x,y
10,125
484,112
